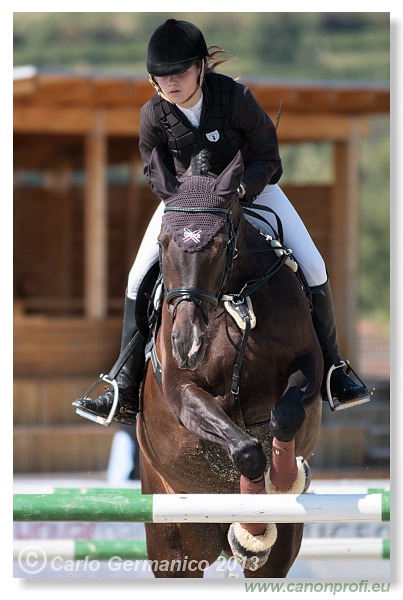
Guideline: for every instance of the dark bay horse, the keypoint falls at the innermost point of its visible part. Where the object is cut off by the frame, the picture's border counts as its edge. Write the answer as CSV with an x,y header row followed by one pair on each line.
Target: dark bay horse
x,y
238,397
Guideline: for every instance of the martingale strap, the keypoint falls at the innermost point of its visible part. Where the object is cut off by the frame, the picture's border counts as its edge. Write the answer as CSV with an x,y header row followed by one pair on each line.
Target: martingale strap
x,y
242,308
243,311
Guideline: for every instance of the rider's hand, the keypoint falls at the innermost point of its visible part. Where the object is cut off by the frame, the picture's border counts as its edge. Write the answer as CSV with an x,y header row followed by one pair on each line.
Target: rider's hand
x,y
241,192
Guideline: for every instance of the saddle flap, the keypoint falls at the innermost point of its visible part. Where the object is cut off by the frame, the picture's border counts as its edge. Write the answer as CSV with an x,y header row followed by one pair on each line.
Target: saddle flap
x,y
144,292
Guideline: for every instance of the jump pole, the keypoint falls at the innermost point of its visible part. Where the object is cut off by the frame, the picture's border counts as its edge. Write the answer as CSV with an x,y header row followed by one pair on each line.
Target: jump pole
x,y
88,490
203,508
41,489
311,549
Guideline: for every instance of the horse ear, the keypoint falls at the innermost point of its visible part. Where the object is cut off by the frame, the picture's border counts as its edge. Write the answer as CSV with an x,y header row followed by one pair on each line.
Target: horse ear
x,y
164,184
229,180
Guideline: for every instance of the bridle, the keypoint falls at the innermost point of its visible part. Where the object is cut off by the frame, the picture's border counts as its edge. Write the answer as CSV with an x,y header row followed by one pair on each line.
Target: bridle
x,y
198,295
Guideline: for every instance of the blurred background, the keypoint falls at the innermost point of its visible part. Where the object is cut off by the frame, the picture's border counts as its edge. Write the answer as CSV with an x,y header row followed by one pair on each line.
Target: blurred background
x,y
81,205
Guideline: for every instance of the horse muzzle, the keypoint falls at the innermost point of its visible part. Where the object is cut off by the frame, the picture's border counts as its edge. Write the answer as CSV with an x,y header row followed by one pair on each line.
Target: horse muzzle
x,y
188,347
190,315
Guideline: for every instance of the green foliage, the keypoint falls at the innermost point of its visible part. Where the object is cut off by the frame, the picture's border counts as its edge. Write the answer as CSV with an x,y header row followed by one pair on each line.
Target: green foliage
x,y
374,230
288,46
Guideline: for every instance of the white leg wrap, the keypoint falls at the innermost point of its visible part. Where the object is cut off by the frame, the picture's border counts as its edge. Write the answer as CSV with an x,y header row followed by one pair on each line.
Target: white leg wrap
x,y
251,551
300,485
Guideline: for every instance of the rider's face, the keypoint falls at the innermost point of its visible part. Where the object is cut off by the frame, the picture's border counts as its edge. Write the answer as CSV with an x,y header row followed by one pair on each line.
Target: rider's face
x,y
177,88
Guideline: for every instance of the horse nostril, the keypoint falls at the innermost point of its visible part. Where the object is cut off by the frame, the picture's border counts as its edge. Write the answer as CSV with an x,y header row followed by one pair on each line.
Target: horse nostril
x,y
175,340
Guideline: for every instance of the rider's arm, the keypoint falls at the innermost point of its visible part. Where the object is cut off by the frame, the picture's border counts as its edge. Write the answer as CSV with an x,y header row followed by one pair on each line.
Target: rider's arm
x,y
153,136
261,155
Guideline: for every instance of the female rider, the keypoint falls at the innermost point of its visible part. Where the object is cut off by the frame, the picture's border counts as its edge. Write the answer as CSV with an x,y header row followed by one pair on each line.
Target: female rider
x,y
195,108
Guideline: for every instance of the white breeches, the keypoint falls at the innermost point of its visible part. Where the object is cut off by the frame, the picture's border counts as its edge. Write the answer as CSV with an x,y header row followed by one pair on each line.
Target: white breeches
x,y
296,237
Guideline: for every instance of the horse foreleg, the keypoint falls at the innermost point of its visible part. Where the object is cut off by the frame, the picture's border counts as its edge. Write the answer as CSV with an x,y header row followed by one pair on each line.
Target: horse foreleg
x,y
251,543
287,472
257,486
203,416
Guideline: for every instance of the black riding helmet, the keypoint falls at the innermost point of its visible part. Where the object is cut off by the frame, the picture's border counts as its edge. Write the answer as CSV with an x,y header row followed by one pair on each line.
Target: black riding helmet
x,y
174,47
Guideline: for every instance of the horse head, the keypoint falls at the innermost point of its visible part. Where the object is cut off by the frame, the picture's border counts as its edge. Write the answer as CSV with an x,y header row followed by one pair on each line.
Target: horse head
x,y
197,243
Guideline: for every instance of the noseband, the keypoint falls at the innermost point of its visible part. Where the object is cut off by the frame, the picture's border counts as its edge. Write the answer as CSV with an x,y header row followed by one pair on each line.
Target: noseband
x,y
198,295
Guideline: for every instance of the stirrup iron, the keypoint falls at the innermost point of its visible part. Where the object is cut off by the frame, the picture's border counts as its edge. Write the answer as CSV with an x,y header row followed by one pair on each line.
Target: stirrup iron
x,y
97,419
341,405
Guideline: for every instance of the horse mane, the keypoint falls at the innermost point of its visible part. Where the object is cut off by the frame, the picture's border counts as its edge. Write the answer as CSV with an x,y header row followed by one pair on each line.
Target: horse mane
x,y
200,164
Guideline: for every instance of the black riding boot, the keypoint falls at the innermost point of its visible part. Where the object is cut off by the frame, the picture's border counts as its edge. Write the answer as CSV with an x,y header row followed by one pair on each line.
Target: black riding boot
x,y
345,391
128,379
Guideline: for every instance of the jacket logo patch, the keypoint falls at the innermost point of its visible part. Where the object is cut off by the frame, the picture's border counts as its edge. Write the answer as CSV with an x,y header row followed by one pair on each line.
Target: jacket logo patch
x,y
213,136
189,235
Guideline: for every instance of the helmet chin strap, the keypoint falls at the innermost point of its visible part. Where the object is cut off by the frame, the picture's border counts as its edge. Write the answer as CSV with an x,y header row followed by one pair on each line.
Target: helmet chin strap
x,y
198,85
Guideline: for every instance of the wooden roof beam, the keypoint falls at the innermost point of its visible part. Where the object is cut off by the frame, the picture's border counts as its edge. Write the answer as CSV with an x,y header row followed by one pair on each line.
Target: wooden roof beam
x,y
98,90
126,122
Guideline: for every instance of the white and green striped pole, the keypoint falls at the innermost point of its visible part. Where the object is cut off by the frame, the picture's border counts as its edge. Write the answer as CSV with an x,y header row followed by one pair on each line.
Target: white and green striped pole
x,y
345,548
321,488
85,490
203,508
80,549
311,549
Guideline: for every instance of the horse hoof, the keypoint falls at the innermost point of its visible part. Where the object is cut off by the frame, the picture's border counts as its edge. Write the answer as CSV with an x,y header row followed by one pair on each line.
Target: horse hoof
x,y
300,485
251,551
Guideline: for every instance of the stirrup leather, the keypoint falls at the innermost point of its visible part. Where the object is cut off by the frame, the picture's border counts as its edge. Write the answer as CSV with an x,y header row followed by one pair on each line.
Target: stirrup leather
x,y
96,418
342,405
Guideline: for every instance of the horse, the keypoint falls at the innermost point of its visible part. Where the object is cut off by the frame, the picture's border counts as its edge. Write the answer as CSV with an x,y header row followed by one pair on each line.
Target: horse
x,y
230,401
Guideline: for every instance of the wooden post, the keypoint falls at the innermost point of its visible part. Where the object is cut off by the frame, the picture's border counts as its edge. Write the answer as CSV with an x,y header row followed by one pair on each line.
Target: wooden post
x,y
344,241
95,223
134,211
